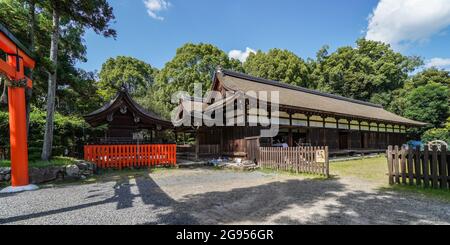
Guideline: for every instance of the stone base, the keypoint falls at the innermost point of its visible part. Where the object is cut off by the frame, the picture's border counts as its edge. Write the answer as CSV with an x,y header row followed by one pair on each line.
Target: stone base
x,y
15,189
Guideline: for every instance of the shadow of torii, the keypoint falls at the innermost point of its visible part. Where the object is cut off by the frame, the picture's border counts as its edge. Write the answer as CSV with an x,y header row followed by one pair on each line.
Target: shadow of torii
x,y
259,204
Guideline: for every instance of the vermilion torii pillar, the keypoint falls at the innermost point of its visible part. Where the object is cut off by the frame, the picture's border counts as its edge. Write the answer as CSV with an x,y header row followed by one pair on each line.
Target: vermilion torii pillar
x,y
18,58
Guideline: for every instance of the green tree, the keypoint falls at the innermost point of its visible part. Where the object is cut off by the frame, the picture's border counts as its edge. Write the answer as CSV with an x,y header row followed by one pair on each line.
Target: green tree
x,y
428,103
193,63
363,71
279,65
79,96
429,75
15,15
135,74
94,14
398,100
438,134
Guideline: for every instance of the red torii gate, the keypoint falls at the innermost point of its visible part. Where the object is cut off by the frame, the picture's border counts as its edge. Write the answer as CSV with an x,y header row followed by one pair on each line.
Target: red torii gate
x,y
18,58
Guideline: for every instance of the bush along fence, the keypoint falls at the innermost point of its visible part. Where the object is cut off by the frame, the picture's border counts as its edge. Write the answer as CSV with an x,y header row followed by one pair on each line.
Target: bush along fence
x,y
127,156
428,168
310,160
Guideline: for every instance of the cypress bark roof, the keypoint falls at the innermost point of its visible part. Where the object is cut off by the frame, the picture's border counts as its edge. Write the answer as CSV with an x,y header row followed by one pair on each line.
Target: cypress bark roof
x,y
123,98
311,100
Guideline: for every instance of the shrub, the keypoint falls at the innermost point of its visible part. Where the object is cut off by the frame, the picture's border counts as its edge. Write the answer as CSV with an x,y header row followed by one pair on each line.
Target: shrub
x,y
70,134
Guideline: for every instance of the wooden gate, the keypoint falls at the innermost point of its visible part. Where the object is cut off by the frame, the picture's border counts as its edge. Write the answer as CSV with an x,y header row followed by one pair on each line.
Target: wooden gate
x,y
253,149
125,156
311,160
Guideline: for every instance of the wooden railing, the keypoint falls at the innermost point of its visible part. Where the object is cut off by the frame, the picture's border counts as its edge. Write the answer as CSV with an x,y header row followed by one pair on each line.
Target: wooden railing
x,y
126,156
311,160
429,168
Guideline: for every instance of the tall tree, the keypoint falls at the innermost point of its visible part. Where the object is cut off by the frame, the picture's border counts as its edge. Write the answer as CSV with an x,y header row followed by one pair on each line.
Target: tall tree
x,y
32,31
397,101
429,103
279,65
363,71
193,63
135,74
95,14
438,133
51,94
429,75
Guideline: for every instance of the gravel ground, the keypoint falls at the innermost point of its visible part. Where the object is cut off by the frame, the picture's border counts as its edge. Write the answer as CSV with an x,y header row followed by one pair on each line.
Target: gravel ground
x,y
206,196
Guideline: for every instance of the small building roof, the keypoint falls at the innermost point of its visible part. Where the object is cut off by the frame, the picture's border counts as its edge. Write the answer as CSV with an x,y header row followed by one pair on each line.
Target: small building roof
x,y
123,98
311,100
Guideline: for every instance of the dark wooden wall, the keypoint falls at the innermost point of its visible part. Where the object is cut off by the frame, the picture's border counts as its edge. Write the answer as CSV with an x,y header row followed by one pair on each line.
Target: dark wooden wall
x,y
231,139
122,125
235,139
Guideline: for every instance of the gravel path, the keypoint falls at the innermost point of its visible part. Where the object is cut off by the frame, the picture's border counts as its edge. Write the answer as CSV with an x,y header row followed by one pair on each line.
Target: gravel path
x,y
205,196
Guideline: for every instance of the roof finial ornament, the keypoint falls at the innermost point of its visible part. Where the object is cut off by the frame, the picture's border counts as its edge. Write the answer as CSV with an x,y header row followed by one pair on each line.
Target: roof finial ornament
x,y
123,87
219,69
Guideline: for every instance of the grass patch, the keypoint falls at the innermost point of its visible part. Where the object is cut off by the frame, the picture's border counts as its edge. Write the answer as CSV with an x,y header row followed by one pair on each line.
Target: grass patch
x,y
442,195
375,170
5,163
371,169
55,162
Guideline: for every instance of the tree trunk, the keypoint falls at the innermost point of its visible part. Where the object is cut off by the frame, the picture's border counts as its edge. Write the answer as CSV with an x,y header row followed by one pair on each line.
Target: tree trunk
x,y
48,136
29,91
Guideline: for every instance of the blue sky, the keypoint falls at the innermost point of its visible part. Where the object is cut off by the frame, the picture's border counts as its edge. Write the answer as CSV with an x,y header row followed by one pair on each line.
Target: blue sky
x,y
152,30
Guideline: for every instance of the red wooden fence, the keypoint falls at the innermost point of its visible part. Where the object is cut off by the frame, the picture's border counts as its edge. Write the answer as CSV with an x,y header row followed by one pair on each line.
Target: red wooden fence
x,y
125,156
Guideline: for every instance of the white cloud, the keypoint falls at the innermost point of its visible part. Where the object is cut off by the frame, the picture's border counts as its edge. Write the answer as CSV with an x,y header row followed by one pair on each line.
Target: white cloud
x,y
156,6
241,55
402,22
441,63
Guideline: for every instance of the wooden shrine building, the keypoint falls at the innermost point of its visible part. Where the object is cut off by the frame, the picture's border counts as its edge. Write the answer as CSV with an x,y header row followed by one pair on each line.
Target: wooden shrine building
x,y
124,119
306,118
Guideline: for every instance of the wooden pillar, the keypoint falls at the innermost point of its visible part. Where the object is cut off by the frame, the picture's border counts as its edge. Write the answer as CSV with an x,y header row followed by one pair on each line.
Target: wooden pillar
x,y
18,129
290,135
308,130
350,134
324,131
338,134
151,136
221,141
176,137
361,136
290,138
197,145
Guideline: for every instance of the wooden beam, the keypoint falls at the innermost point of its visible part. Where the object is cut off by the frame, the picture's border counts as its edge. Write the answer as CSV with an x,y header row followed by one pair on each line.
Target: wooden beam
x,y
8,69
10,47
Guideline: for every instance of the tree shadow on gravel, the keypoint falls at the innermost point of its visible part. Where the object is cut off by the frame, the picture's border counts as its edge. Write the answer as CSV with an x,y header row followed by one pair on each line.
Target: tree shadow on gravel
x,y
252,204
376,208
340,206
260,203
150,193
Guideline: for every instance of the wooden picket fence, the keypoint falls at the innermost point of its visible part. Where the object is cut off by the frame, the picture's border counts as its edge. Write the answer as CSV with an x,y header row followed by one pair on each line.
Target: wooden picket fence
x,y
429,168
310,160
126,156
